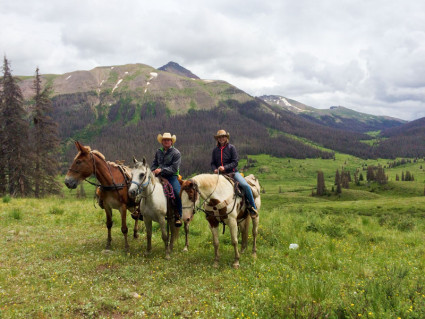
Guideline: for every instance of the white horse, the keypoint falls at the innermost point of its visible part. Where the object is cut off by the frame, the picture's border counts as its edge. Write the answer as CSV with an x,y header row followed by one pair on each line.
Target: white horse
x,y
221,205
153,205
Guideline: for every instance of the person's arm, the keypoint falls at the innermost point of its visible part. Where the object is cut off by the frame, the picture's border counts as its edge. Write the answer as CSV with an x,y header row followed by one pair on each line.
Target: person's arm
x,y
155,163
213,164
234,160
173,168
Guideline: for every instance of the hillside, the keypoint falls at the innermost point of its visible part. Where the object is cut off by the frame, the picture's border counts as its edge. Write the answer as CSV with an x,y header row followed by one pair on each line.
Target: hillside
x,y
405,140
120,110
336,116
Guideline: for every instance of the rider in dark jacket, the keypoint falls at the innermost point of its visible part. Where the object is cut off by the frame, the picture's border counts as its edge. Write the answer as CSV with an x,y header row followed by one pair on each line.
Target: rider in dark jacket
x,y
167,164
225,160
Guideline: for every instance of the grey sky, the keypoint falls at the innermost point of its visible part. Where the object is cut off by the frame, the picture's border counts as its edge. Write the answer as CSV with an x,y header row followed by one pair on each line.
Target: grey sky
x,y
366,55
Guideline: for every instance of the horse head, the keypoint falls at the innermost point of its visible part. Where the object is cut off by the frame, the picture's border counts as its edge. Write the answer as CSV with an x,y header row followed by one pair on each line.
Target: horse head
x,y
140,177
81,168
189,195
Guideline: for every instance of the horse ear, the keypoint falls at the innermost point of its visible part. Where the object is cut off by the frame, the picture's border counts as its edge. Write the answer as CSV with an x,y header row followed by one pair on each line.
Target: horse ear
x,y
135,160
79,147
144,161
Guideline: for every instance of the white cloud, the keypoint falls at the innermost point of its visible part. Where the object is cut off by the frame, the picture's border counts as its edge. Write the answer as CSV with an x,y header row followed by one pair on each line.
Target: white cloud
x,y
365,55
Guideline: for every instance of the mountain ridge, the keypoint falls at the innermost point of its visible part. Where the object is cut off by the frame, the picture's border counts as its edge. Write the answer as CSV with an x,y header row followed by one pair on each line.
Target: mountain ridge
x,y
119,109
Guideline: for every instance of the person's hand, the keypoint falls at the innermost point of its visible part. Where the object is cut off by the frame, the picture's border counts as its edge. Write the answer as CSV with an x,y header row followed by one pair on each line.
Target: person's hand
x,y
157,171
221,168
215,171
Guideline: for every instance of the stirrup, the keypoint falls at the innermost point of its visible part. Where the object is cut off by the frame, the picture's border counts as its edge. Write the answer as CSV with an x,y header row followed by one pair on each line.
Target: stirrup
x,y
178,222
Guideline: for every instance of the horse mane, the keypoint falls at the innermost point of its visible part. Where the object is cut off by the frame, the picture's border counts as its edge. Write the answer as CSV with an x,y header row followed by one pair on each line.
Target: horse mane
x,y
99,154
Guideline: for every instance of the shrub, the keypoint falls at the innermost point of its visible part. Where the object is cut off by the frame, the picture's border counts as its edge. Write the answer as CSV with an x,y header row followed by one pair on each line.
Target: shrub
x,y
16,214
7,199
56,211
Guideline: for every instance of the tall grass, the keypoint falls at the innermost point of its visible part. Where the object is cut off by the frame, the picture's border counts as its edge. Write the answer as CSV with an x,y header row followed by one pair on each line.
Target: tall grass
x,y
358,257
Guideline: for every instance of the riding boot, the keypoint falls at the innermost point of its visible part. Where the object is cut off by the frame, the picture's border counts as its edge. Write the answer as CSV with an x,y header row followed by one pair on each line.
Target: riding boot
x,y
253,212
177,220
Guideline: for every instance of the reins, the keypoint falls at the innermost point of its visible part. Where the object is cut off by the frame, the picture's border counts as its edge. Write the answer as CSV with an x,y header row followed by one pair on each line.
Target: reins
x,y
114,186
207,212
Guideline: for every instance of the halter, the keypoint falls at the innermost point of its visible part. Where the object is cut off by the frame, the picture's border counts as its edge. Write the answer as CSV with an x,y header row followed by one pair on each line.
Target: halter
x,y
114,186
141,186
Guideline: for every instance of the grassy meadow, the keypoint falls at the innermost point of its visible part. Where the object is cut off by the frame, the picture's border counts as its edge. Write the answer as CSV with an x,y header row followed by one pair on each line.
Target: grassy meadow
x,y
360,255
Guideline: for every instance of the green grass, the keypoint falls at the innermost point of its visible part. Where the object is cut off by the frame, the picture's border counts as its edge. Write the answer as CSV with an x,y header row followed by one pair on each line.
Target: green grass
x,y
360,256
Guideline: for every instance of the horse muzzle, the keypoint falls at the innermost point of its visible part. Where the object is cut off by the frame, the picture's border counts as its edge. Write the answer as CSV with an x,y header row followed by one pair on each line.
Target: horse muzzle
x,y
132,192
70,182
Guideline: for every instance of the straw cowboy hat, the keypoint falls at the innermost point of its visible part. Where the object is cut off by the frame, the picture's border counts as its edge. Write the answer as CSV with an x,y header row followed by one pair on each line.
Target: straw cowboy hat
x,y
221,133
166,135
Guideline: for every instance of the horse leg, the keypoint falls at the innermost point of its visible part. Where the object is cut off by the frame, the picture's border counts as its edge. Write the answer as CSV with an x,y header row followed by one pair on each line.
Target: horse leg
x,y
108,212
254,236
244,230
214,232
174,236
186,232
136,229
163,226
233,227
148,225
136,225
124,228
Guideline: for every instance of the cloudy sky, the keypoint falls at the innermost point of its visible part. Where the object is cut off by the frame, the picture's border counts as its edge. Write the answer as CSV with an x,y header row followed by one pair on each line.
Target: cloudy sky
x,y
366,55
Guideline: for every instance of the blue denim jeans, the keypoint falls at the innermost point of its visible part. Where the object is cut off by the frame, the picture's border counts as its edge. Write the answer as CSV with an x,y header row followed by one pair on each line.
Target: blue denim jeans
x,y
176,189
244,184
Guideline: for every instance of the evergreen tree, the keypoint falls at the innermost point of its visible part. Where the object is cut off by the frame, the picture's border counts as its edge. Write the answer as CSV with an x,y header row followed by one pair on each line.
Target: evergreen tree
x,y
407,177
345,180
337,178
380,177
370,176
338,188
46,142
16,170
361,178
397,178
321,189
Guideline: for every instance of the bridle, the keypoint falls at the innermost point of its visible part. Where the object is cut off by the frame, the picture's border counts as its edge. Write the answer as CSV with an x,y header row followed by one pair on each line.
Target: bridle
x,y
141,185
114,186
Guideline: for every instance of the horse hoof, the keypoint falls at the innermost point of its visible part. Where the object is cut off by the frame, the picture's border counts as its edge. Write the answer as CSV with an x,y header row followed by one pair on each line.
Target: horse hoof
x,y
215,265
185,249
147,253
236,265
254,255
135,236
167,257
242,250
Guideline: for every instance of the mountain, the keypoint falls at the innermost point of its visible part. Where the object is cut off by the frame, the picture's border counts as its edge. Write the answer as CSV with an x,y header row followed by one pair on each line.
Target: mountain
x,y
336,116
119,110
176,68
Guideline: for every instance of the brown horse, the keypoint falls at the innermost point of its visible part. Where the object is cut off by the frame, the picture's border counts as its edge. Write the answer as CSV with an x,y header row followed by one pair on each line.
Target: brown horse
x,y
112,191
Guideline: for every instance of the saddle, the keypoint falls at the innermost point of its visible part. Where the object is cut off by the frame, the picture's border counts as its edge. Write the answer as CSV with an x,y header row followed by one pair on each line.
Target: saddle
x,y
171,199
251,180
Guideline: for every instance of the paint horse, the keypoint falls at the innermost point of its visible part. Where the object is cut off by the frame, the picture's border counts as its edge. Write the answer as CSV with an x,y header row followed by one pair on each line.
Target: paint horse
x,y
221,204
148,190
113,188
